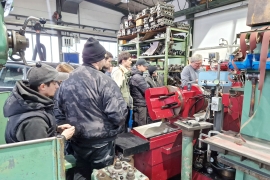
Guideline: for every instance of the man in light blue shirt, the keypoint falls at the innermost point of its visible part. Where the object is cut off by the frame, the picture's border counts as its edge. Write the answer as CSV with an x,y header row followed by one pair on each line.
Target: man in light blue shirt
x,y
191,71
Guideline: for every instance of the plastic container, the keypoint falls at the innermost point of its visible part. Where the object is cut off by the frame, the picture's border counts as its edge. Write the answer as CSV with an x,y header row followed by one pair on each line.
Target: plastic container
x,y
256,62
246,64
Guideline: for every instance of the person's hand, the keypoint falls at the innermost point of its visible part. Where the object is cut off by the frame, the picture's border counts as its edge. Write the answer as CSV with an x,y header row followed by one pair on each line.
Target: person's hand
x,y
61,128
68,133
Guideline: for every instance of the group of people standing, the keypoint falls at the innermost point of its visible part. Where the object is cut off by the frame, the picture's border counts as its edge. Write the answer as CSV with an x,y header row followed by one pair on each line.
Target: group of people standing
x,y
86,106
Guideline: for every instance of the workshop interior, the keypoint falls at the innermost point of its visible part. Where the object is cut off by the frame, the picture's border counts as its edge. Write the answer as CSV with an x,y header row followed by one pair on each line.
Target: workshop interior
x,y
213,129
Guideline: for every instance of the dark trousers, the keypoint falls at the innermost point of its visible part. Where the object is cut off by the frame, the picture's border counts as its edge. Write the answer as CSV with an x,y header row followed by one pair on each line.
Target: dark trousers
x,y
140,115
94,156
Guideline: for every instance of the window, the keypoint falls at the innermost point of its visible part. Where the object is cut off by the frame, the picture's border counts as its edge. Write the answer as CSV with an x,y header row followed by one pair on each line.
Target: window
x,y
55,49
110,46
29,51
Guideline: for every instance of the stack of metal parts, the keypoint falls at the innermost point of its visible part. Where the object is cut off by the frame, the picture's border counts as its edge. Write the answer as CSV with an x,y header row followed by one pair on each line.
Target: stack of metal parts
x,y
128,48
149,19
161,15
174,71
175,68
128,27
120,170
178,36
158,48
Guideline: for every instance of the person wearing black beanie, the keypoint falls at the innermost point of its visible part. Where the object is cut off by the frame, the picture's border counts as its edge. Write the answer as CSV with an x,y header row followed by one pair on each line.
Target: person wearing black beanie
x,y
94,54
92,102
151,69
152,78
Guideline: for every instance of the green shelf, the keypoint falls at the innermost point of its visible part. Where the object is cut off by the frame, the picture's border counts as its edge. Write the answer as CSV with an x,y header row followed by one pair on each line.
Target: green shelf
x,y
151,40
129,44
134,50
160,56
177,39
179,30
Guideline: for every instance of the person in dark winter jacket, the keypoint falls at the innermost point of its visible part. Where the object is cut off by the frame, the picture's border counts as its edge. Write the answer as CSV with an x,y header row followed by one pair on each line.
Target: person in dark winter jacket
x,y
92,102
29,108
152,78
138,85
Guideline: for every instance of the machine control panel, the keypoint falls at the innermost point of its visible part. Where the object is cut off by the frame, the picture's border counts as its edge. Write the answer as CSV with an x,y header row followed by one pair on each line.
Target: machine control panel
x,y
209,78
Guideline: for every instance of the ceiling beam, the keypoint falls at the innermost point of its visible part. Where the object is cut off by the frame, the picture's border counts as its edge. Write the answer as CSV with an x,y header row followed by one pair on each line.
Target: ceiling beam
x,y
137,1
203,7
109,6
65,29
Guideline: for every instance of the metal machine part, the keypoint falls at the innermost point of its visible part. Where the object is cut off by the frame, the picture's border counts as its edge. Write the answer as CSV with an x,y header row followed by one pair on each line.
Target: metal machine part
x,y
182,26
121,170
138,15
172,102
18,43
123,32
126,24
122,26
146,20
119,33
153,10
131,17
30,18
145,11
153,48
3,36
17,40
254,77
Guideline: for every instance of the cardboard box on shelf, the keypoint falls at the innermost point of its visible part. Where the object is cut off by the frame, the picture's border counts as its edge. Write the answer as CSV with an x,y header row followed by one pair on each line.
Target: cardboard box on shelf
x,y
139,22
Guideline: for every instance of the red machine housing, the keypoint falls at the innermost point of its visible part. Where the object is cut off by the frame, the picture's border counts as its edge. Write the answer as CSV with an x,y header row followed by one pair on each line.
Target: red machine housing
x,y
163,160
174,103
232,112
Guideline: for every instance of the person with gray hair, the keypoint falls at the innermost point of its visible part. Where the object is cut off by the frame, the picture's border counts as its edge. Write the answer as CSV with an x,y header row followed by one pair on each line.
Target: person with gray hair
x,y
191,71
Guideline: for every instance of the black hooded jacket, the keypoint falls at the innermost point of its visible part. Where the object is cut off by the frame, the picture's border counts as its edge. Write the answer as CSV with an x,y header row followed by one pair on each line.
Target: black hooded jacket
x,y
92,102
30,115
137,85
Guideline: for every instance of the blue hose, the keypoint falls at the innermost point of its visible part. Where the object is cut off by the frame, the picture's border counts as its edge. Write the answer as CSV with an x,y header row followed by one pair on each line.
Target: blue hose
x,y
130,121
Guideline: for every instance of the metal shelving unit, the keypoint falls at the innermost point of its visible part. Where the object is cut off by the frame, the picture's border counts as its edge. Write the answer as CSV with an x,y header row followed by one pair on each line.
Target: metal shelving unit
x,y
169,31
134,50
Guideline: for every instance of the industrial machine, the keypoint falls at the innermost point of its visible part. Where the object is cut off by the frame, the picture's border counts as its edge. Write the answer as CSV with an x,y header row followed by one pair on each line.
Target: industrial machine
x,y
247,150
171,140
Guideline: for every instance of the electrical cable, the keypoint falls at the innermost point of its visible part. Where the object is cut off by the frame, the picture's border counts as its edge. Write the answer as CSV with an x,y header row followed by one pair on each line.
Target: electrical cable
x,y
178,5
193,105
185,4
40,49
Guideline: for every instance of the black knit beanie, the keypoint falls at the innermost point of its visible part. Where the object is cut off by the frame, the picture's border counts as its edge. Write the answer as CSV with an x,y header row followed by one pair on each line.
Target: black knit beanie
x,y
93,51
151,69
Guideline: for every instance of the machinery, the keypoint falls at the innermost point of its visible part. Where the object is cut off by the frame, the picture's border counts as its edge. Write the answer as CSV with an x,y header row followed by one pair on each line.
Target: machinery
x,y
247,149
120,170
168,138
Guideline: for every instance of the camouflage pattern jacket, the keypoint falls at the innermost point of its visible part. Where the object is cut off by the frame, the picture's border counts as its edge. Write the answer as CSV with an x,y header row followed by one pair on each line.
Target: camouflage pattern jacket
x,y
92,102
